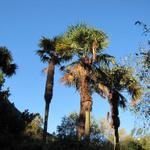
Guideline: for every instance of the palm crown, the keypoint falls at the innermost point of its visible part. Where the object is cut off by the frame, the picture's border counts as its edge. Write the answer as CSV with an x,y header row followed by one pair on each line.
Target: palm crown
x,y
85,40
55,49
6,62
121,79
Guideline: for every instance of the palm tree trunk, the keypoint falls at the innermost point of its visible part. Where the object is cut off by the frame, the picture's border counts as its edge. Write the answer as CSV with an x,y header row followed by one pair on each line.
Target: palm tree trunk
x,y
48,95
45,121
115,122
81,123
116,139
85,106
87,124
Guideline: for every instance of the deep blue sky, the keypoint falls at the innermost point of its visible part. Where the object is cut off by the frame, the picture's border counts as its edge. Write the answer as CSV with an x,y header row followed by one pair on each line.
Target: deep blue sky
x,y
24,22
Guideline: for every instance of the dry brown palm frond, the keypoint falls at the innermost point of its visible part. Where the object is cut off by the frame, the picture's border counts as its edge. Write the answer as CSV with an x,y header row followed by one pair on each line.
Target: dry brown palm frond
x,y
67,79
78,71
104,89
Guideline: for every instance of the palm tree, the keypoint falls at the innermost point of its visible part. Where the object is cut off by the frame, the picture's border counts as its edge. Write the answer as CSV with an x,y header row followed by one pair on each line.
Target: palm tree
x,y
117,80
88,44
7,69
7,66
53,51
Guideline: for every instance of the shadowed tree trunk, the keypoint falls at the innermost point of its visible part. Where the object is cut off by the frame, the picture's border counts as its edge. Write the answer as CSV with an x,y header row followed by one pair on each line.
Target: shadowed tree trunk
x,y
81,122
48,95
115,122
85,109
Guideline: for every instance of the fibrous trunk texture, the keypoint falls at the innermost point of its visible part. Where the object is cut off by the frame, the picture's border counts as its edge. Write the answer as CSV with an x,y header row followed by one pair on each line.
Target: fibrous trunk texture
x,y
48,95
85,106
115,122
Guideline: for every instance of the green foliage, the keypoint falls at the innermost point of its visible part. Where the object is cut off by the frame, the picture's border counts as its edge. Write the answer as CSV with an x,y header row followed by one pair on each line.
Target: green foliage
x,y
83,36
140,61
33,124
6,62
120,79
67,128
56,49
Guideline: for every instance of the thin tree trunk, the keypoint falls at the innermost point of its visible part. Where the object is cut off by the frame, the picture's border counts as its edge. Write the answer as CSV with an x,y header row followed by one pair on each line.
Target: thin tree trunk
x,y
116,136
115,122
116,139
45,122
87,124
48,95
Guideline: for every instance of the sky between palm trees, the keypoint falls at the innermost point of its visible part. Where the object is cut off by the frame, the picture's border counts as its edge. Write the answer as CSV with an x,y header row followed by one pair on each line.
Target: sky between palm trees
x,y
23,23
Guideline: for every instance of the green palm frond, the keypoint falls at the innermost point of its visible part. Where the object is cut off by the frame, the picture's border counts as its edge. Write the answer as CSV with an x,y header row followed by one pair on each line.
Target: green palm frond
x,y
120,79
57,49
43,56
47,44
70,65
10,70
83,36
105,59
6,62
122,100
5,55
63,44
135,89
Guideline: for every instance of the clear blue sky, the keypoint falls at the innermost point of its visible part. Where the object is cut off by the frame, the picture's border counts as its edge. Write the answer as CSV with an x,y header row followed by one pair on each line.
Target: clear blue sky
x,y
24,22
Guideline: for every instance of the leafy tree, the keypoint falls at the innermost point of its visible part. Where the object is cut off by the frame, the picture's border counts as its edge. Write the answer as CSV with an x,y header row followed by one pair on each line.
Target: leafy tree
x,y
140,61
52,52
33,128
68,127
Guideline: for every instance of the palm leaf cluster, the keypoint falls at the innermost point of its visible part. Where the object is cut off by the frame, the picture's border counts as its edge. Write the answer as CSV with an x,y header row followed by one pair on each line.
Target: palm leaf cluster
x,y
55,49
6,62
86,40
121,79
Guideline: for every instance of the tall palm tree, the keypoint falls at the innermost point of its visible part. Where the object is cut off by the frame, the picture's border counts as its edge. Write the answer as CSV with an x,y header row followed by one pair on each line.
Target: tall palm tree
x,y
53,51
117,80
87,43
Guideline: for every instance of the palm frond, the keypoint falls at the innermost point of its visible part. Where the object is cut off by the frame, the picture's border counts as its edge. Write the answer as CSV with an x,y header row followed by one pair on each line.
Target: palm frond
x,y
43,56
122,100
105,59
104,89
11,69
6,62
83,37
47,44
5,55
